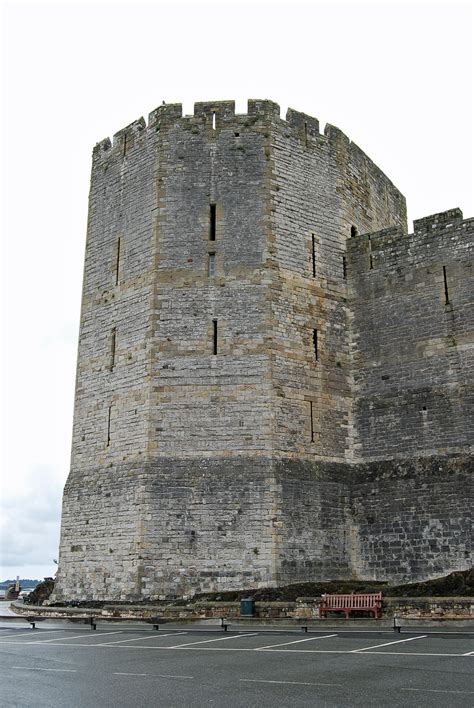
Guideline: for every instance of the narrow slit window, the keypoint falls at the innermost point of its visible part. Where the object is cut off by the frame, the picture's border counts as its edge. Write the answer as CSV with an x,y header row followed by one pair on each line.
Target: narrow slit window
x,y
306,134
214,337
313,253
108,425
446,291
125,143
311,420
212,222
113,339
371,262
117,262
353,231
213,120
211,264
344,267
315,344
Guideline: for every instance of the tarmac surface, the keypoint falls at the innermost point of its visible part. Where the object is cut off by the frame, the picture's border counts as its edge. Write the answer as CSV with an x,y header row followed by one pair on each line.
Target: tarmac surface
x,y
117,665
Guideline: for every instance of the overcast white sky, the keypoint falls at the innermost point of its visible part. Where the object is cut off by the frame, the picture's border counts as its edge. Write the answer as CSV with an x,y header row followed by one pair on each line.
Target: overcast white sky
x,y
397,78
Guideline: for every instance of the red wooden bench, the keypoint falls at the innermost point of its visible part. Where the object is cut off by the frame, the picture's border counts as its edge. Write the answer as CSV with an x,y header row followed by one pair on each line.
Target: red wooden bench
x,y
355,602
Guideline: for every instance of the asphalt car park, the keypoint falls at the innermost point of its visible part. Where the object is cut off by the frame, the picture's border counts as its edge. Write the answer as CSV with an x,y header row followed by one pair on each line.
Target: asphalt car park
x,y
185,666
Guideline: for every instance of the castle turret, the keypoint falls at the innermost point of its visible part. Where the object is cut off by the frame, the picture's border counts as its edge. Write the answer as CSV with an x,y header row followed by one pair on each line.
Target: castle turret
x,y
225,402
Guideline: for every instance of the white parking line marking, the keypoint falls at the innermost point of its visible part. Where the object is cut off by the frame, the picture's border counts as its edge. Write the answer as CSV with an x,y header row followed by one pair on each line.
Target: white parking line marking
x,y
28,634
78,636
38,668
399,641
435,690
206,641
270,651
172,676
298,641
291,683
138,639
469,653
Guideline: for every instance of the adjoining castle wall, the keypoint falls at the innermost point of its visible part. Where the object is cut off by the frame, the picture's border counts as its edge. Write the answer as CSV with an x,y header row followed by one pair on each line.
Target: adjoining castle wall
x,y
413,339
234,425
411,519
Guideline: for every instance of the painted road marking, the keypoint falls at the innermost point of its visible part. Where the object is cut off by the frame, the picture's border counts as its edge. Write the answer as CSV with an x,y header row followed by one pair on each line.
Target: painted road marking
x,y
125,673
78,636
298,641
206,641
28,634
291,683
435,690
399,641
138,639
270,651
469,653
38,668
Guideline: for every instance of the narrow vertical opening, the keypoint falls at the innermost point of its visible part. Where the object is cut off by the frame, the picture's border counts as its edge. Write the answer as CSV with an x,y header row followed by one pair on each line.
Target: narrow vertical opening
x,y
124,143
214,337
212,222
311,420
315,344
113,337
353,231
371,262
108,425
117,262
213,120
344,267
446,291
313,253
211,264
306,134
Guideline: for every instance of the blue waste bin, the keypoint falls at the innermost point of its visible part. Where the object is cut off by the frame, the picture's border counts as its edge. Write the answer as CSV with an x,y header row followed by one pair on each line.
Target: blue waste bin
x,y
247,607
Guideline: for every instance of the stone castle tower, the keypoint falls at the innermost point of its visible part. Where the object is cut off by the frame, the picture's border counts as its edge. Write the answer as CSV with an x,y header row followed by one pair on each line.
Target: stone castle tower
x,y
274,379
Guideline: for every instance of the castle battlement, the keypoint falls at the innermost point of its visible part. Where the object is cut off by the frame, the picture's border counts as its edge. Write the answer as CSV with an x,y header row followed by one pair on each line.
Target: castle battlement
x,y
274,380
213,116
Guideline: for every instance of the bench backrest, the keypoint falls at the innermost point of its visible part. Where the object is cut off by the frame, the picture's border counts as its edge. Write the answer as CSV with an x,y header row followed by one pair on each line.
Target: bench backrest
x,y
356,601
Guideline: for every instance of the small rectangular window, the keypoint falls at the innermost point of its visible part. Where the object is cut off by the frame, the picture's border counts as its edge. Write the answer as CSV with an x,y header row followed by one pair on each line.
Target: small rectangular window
x,y
117,261
212,222
315,344
113,338
214,337
446,291
108,425
211,264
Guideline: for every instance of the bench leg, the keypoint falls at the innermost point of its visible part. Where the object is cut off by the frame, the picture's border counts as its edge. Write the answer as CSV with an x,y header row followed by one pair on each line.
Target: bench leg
x,y
156,626
33,625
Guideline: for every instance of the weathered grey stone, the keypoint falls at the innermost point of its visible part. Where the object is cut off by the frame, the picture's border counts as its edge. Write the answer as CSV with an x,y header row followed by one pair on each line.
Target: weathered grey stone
x,y
330,433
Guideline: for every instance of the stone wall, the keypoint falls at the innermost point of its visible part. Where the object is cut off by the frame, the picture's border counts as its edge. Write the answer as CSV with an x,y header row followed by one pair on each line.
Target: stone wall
x,y
251,371
413,338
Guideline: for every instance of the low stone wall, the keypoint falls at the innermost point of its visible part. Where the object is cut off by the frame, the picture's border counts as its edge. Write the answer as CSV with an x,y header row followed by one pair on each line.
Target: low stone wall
x,y
304,607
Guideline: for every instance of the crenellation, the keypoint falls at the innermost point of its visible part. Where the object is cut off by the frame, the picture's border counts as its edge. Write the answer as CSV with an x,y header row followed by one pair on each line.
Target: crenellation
x,y
442,220
266,361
